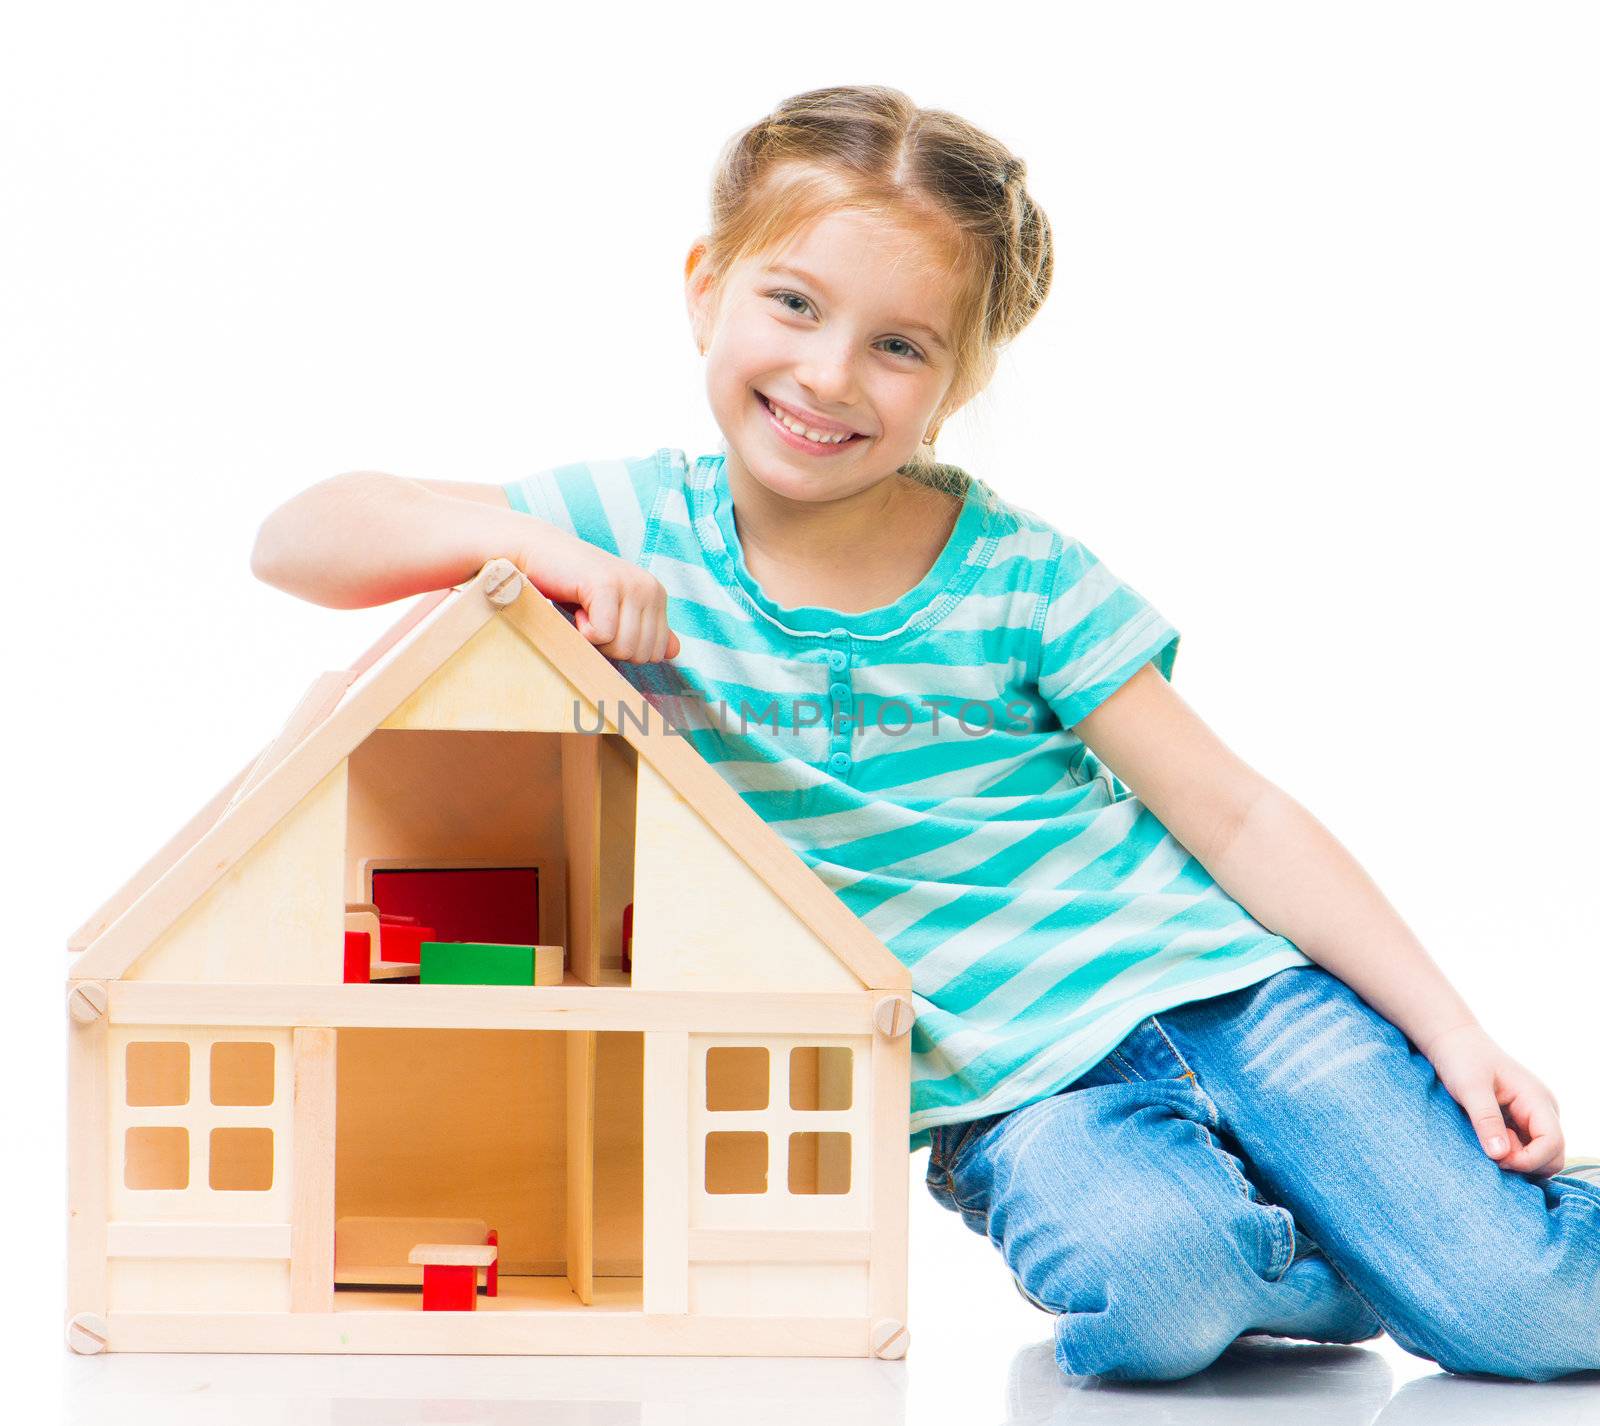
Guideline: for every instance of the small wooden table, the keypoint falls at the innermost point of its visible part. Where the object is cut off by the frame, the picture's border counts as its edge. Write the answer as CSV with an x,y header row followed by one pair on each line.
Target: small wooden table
x,y
450,1274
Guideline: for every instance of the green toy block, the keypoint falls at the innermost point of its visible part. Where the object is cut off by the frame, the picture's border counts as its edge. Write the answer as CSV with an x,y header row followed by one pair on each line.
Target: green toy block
x,y
476,963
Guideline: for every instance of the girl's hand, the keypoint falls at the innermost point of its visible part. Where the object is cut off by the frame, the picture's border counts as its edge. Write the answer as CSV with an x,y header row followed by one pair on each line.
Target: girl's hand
x,y
1514,1115
621,608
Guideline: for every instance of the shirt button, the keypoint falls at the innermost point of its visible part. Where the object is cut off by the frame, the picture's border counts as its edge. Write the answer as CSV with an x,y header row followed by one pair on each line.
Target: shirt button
x,y
840,691
836,658
839,761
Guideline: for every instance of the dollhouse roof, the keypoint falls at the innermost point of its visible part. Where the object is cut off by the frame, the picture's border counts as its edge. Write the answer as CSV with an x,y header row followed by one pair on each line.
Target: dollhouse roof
x,y
341,709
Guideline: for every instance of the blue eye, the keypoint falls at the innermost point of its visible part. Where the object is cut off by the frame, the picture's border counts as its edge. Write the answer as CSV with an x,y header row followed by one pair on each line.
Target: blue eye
x,y
780,297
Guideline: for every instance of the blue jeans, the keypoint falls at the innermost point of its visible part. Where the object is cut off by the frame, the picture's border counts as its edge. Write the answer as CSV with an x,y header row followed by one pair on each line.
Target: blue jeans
x,y
1279,1159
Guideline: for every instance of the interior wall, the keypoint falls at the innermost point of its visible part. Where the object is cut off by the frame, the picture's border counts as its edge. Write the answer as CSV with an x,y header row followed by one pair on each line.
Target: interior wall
x,y
455,1124
619,1155
459,797
619,785
472,1124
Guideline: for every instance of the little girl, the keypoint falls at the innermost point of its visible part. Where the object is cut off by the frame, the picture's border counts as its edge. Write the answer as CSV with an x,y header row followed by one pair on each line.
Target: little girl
x,y
1175,1054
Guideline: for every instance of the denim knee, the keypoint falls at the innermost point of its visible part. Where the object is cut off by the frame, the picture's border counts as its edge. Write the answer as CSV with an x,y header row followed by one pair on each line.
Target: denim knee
x,y
1171,1347
1145,1311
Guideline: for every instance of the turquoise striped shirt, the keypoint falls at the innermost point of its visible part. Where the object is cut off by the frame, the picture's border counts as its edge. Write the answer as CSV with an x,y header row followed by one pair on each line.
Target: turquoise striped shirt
x,y
919,758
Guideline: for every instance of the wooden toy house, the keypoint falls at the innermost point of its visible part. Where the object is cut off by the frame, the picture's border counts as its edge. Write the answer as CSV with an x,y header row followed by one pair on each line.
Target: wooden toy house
x,y
653,1097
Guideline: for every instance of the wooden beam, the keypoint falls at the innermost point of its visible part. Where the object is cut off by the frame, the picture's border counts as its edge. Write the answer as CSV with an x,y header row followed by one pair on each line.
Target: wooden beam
x,y
316,1080
230,1241
486,1332
581,1048
778,1245
88,1168
318,702
890,1071
667,1155
489,1007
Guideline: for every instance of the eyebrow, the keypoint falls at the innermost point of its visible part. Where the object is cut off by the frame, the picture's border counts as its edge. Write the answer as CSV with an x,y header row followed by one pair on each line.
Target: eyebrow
x,y
934,339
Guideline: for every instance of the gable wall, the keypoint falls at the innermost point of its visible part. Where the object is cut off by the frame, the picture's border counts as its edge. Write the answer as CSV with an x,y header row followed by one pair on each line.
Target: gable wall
x,y
703,920
277,915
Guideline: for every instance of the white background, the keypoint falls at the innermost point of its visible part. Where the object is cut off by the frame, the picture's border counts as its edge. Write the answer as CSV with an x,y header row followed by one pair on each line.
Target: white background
x,y
1318,376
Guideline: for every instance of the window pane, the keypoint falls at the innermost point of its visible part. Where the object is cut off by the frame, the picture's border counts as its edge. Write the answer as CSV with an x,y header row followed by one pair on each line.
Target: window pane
x,y
157,1072
737,1076
736,1163
241,1159
819,1077
241,1072
819,1163
156,1157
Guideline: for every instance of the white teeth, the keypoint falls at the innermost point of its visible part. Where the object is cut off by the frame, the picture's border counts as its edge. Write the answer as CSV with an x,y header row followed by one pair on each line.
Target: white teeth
x,y
819,437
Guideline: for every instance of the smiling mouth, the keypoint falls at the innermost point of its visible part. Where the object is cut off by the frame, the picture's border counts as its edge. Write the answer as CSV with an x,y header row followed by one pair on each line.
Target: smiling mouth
x,y
780,416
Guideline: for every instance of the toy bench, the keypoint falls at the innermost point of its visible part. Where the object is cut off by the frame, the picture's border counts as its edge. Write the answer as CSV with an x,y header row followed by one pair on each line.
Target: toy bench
x,y
450,1274
376,1251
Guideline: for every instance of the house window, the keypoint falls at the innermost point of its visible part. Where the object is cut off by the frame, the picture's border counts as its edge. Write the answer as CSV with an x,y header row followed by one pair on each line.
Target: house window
x,y
200,1112
779,1119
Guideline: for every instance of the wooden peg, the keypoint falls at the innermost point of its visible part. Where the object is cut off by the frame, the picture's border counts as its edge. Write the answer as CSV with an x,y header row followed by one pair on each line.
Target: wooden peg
x,y
87,1001
893,1016
502,582
86,1334
889,1339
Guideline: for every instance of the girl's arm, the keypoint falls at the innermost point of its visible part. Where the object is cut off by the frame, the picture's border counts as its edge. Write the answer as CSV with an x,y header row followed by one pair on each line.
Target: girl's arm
x,y
367,538
1270,854
1290,872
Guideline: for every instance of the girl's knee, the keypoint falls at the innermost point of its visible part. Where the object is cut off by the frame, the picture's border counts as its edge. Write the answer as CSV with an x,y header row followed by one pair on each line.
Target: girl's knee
x,y
1148,1305
1134,1346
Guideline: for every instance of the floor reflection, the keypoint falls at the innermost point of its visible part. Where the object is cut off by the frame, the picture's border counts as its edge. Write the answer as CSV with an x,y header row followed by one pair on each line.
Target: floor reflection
x,y
1256,1382
1265,1382
482,1391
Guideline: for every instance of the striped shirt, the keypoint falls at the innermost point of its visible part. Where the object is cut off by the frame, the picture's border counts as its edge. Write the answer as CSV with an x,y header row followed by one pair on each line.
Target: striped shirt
x,y
919,758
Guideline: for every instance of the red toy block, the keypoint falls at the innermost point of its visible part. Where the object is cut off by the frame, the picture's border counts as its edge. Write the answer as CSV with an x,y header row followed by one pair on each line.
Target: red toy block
x,y
400,938
491,1274
448,1288
357,957
497,904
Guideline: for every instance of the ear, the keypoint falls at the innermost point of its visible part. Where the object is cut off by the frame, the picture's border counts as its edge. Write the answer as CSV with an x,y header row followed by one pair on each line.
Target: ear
x,y
697,284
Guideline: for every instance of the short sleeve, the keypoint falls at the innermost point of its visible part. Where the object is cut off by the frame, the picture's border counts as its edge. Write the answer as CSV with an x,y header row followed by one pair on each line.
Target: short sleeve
x,y
609,503
1097,632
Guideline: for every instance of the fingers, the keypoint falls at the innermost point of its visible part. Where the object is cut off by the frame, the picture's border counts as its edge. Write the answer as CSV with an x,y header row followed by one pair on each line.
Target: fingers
x,y
1487,1121
1545,1150
623,613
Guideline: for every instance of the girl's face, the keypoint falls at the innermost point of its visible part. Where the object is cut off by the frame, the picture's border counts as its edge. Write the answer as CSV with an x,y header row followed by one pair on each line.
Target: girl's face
x,y
846,329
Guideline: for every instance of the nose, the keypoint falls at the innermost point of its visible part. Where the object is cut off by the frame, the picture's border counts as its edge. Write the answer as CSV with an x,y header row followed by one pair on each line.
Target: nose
x,y
828,372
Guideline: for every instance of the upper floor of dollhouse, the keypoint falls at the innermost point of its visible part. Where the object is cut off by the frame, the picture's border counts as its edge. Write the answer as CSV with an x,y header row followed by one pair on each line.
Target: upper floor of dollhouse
x,y
470,802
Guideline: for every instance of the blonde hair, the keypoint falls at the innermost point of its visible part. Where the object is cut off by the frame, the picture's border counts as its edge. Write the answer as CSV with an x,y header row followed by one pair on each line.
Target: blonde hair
x,y
869,147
